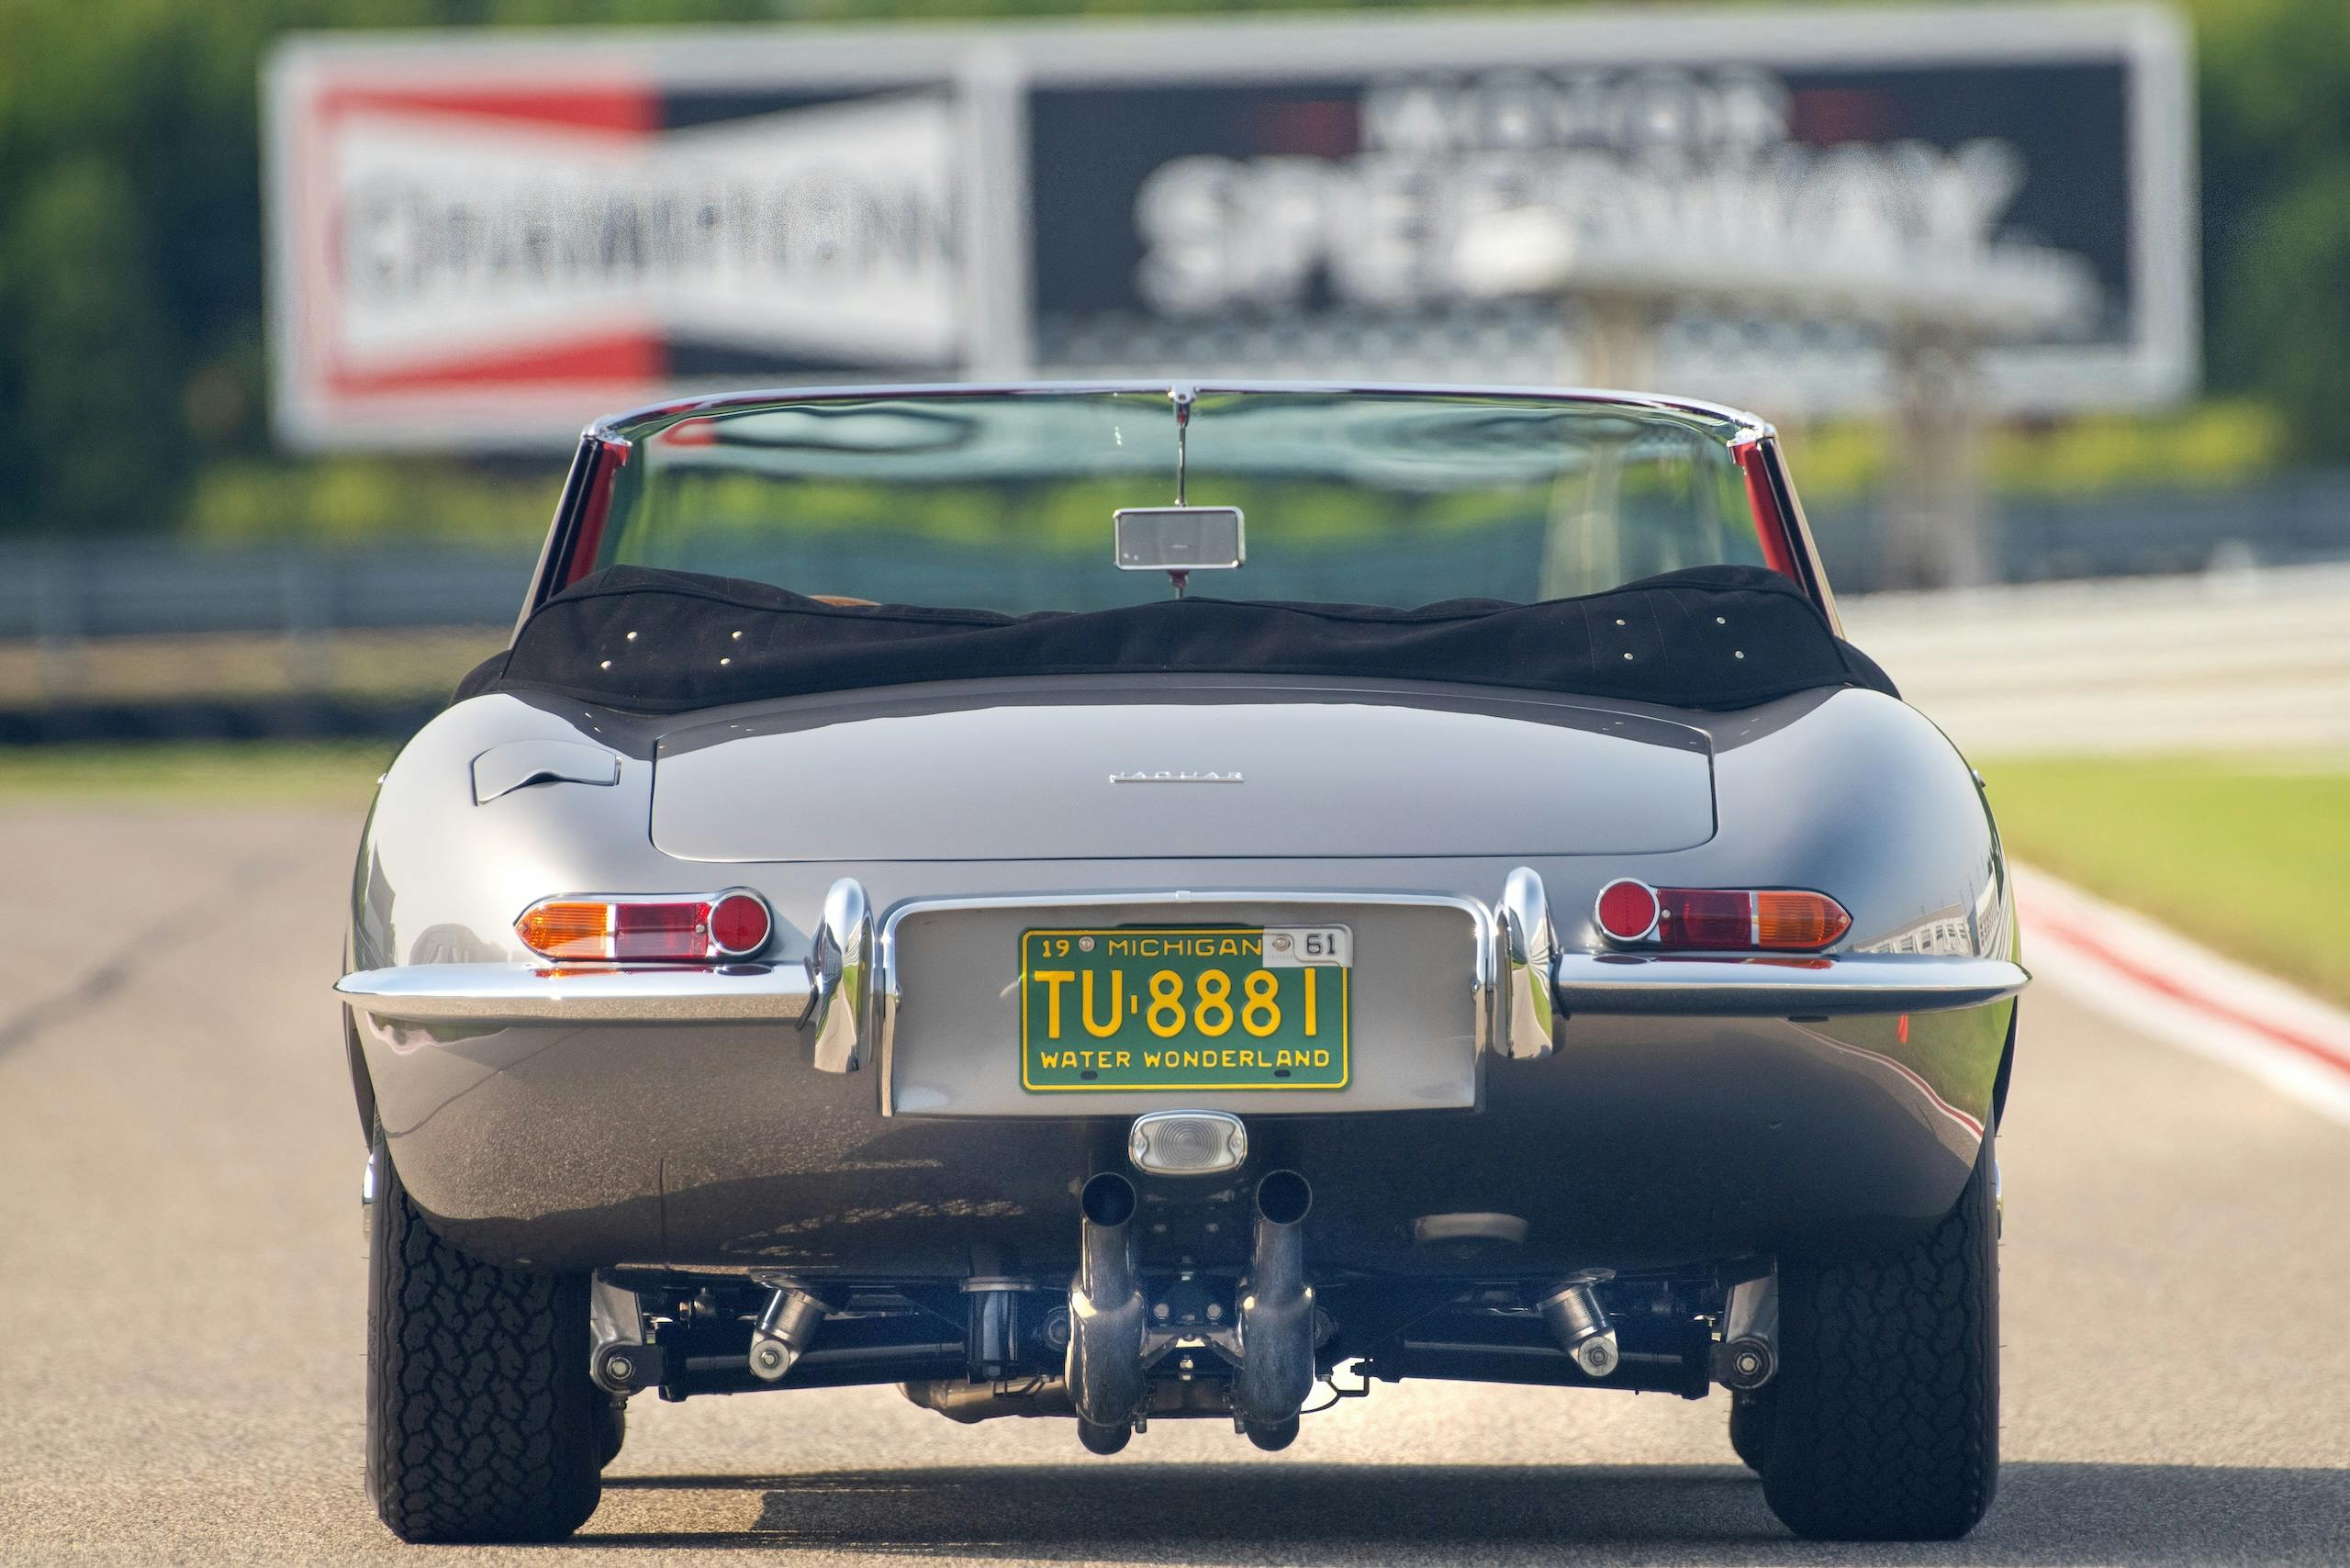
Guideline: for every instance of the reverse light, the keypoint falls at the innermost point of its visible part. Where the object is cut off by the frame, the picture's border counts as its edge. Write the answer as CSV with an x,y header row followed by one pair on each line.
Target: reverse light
x,y
1629,913
732,924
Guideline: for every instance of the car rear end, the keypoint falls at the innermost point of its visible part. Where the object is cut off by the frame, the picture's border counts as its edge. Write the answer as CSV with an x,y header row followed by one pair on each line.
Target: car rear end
x,y
1140,1043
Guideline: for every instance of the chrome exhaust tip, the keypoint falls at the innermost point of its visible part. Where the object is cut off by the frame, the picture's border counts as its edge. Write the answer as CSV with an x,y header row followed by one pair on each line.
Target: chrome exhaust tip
x,y
1106,1382
1284,1198
1278,1320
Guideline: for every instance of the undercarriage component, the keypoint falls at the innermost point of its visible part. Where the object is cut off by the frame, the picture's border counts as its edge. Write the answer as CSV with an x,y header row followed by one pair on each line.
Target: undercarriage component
x,y
1106,1312
784,1329
1274,1438
1277,1313
1580,1324
1101,1438
969,1403
620,1361
997,1332
962,1400
1748,1352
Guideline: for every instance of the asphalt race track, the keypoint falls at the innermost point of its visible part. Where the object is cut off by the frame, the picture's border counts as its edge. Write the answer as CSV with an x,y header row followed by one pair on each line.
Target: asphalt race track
x,y
180,1308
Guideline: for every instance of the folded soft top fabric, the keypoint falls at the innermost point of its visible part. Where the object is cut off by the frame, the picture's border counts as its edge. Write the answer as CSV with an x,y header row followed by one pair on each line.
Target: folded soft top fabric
x,y
668,642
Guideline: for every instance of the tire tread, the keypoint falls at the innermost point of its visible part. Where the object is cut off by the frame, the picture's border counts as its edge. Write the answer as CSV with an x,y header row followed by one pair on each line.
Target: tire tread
x,y
482,1424
1885,1413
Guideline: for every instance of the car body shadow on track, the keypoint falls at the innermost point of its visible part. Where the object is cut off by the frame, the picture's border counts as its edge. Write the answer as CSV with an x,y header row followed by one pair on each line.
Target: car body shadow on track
x,y
1444,1515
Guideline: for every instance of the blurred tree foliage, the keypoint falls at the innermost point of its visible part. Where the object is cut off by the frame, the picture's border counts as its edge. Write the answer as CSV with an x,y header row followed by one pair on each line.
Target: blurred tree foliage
x,y
130,309
2274,80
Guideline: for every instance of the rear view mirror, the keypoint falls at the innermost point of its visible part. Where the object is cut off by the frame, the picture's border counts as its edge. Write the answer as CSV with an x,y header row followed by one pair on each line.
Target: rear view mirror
x,y
1179,539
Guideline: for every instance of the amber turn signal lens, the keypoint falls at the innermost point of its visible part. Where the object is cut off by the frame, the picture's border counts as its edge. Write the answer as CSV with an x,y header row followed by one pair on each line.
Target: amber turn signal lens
x,y
565,929
1798,919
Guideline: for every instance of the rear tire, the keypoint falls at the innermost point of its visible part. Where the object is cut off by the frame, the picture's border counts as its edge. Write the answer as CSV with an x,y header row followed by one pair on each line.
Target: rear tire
x,y
1885,1409
482,1424
1749,1427
611,1427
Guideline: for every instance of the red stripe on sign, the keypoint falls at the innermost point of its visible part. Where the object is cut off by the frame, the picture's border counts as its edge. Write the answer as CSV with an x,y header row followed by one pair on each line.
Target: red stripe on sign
x,y
624,359
621,107
2155,980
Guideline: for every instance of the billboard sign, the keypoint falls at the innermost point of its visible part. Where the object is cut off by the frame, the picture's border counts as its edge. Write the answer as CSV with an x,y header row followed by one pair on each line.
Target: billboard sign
x,y
479,241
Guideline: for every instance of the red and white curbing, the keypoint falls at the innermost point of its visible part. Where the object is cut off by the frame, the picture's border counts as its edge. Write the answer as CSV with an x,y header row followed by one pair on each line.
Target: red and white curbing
x,y
2164,986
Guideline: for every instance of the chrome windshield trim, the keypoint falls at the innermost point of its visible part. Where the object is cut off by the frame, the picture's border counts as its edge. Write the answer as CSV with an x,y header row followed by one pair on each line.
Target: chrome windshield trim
x,y
1736,987
885,987
613,427
520,993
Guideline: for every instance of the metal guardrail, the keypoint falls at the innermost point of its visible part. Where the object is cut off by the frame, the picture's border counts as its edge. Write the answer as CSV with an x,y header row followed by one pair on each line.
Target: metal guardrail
x,y
55,592
59,592
2299,520
155,637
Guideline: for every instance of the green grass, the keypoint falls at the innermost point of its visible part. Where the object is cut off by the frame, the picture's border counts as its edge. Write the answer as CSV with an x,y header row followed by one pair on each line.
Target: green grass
x,y
2250,855
208,773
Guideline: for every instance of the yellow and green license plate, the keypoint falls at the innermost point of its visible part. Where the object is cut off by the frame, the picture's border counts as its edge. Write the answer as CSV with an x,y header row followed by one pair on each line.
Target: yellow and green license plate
x,y
1227,1008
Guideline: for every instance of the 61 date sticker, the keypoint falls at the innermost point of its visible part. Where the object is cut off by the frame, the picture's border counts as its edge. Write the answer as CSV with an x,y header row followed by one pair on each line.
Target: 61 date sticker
x,y
1309,946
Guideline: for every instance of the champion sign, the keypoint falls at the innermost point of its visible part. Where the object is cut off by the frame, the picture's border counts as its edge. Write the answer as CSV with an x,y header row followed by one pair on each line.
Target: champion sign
x,y
486,263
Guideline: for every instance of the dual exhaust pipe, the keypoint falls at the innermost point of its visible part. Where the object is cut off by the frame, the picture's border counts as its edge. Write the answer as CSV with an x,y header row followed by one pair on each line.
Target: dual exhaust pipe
x,y
1108,1374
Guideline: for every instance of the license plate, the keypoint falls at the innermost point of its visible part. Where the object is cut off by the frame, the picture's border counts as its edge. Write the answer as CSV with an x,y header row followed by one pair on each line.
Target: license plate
x,y
1209,1008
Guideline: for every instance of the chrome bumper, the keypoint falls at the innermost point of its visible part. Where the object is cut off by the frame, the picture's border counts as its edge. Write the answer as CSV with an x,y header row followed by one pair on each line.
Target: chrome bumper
x,y
1778,988
515,993
1521,954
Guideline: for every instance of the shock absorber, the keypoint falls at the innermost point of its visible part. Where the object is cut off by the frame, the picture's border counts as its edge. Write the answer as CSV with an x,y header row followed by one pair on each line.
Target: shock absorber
x,y
1580,1324
785,1328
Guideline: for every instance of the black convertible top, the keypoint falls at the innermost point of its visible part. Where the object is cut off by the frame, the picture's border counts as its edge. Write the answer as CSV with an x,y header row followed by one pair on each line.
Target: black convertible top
x,y
668,642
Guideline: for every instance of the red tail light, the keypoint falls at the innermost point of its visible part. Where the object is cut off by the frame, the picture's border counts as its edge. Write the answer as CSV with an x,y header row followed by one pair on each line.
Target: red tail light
x,y
656,930
1630,912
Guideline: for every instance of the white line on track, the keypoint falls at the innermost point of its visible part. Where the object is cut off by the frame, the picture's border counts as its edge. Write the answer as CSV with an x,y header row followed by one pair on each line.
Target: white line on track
x,y
2156,981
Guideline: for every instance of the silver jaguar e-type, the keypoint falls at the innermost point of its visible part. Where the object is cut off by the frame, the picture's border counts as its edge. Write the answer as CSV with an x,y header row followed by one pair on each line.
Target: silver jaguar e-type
x,y
1125,903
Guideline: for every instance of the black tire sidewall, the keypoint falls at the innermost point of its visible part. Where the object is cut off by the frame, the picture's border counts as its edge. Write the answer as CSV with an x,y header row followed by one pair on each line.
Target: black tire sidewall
x,y
533,1471
1885,1412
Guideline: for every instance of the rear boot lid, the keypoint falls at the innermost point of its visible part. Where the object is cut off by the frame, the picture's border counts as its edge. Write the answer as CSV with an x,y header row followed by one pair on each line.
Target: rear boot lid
x,y
1146,770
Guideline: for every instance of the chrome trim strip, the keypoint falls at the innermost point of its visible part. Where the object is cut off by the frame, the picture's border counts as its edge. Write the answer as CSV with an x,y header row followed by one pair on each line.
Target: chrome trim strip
x,y
1484,1001
1529,950
1696,985
521,994
839,970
